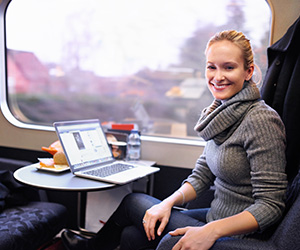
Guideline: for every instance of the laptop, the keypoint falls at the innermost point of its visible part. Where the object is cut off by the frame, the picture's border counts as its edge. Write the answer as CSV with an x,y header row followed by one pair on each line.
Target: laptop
x,y
89,154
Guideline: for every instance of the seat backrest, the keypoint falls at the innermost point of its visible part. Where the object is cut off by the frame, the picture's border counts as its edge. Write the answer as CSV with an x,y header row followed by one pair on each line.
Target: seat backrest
x,y
287,234
281,90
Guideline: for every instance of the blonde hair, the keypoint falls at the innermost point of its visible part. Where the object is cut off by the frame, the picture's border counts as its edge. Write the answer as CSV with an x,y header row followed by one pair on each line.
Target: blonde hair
x,y
237,38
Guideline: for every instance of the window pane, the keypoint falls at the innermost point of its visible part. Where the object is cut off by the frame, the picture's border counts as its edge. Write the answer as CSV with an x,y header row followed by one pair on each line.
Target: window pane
x,y
123,61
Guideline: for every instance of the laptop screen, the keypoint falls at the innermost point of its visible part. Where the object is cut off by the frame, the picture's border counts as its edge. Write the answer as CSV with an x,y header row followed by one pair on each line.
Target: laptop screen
x,y
84,143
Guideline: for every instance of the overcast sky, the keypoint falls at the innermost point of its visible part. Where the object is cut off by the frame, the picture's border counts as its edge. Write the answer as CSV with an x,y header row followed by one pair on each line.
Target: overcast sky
x,y
127,34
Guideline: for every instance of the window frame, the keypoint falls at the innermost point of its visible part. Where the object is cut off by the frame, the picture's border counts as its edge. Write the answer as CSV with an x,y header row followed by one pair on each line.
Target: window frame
x,y
176,152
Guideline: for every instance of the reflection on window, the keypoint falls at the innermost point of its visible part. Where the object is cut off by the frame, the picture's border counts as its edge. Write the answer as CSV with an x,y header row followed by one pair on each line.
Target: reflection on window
x,y
121,60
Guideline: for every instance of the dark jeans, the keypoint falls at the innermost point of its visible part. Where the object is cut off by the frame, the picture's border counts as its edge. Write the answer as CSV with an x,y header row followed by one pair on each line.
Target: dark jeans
x,y
125,225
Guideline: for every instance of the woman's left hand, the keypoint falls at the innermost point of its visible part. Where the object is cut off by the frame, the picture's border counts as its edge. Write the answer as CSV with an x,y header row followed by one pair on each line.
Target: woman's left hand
x,y
194,238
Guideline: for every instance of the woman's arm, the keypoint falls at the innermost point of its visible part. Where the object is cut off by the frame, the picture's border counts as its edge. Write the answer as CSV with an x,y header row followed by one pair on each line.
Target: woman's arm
x,y
202,238
183,195
241,223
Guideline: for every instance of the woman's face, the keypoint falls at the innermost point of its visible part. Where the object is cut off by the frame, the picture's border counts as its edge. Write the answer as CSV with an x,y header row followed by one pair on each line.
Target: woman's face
x,y
225,72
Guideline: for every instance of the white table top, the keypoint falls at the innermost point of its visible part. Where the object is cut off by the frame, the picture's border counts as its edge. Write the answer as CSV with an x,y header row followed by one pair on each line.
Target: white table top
x,y
64,181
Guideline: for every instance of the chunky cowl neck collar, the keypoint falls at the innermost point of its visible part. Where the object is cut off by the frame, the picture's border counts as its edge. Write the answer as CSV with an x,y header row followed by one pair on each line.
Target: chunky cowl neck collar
x,y
220,119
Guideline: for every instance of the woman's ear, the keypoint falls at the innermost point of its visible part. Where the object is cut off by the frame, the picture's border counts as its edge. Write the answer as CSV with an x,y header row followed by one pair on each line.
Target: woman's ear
x,y
249,72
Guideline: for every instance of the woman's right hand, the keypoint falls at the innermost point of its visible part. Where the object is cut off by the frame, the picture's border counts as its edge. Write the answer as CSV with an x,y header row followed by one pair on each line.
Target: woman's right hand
x,y
161,212
157,213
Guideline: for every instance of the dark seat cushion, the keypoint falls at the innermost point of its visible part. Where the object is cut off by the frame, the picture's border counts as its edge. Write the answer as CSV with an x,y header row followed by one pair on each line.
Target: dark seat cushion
x,y
30,226
12,193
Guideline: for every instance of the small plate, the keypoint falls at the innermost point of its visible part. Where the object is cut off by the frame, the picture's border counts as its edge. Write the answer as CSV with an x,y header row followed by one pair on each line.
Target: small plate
x,y
56,169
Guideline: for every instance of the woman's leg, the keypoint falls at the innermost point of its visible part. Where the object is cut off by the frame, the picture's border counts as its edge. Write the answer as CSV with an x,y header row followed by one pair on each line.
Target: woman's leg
x,y
168,241
197,213
129,216
129,213
135,239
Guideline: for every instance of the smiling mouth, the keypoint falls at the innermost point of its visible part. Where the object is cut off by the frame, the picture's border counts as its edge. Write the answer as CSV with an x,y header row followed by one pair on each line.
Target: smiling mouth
x,y
220,86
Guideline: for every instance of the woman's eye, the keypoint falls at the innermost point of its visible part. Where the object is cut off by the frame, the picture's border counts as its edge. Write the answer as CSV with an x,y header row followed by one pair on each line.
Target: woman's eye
x,y
229,67
210,67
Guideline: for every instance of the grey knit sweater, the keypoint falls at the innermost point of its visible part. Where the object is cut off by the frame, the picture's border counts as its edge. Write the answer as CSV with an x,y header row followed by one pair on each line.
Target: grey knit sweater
x,y
244,158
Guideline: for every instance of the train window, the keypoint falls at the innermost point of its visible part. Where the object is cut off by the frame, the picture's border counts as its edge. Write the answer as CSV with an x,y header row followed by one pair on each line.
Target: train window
x,y
122,60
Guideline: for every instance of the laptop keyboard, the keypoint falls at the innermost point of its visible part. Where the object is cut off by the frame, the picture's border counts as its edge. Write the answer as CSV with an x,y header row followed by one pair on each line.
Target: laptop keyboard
x,y
108,170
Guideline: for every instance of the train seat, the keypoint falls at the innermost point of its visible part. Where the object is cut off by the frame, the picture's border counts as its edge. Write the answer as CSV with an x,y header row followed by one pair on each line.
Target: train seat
x,y
30,226
26,222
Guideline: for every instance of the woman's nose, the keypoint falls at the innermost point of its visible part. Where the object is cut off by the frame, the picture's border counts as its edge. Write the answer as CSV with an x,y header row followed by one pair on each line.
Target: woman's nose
x,y
219,76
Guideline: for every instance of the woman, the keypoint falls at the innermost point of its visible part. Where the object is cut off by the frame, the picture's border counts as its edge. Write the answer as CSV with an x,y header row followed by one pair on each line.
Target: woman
x,y
244,158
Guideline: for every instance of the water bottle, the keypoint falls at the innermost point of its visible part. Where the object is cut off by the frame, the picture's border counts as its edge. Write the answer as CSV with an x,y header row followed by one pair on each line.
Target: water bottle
x,y
134,146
